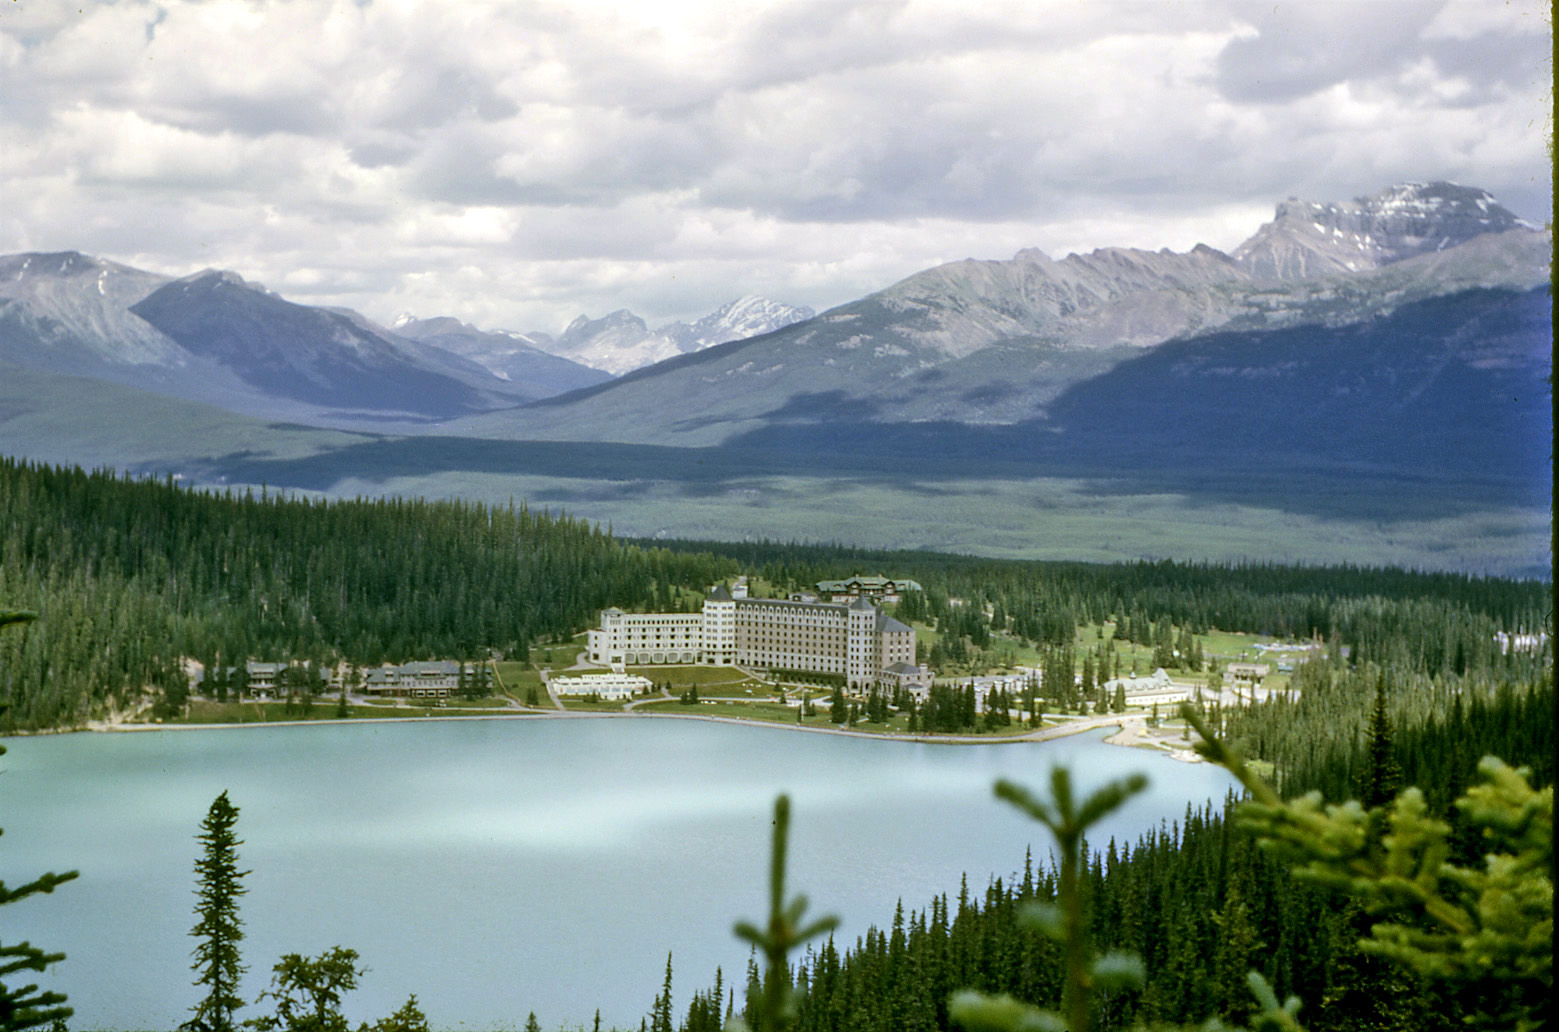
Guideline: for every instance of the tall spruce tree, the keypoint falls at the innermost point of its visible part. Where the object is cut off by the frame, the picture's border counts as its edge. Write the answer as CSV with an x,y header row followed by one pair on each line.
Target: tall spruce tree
x,y
1382,775
218,964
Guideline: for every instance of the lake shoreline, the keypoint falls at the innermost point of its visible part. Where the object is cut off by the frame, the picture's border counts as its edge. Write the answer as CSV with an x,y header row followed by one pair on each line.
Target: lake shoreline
x,y
1130,731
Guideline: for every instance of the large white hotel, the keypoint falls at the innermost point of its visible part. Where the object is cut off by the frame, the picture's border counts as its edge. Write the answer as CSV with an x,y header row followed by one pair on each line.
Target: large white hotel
x,y
857,640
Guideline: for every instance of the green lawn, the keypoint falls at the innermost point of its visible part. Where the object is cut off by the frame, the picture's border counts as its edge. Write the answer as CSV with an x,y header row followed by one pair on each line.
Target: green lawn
x,y
576,704
516,677
760,708
557,656
206,711
688,676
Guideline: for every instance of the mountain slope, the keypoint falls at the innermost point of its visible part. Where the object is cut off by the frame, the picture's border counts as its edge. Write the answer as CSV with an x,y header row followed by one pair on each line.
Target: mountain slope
x,y
310,355
1309,239
212,338
982,342
533,372
622,342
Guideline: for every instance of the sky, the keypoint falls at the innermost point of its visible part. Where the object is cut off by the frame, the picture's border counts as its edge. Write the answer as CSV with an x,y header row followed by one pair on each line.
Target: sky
x,y
518,164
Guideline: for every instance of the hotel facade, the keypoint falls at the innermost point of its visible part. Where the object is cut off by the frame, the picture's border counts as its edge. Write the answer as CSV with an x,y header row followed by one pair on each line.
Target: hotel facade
x,y
855,641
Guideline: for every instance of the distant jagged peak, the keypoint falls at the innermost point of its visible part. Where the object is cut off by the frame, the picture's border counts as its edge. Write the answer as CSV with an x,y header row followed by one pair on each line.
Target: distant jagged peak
x,y
216,279
620,320
750,306
748,316
56,264
1438,200
1307,238
409,325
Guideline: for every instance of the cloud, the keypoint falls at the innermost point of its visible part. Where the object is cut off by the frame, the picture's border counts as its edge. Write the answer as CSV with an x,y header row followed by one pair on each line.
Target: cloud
x,y
1299,49
517,164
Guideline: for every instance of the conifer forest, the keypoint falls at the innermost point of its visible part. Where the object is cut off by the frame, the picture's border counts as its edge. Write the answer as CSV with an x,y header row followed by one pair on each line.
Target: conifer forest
x,y
1410,686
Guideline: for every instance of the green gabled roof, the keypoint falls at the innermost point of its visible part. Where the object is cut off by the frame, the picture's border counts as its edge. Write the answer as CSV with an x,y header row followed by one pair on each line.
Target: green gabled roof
x,y
876,583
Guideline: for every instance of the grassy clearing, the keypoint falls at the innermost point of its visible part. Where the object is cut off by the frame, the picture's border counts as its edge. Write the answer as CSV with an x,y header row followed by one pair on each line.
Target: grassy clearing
x,y
516,677
701,676
206,711
576,704
557,656
760,708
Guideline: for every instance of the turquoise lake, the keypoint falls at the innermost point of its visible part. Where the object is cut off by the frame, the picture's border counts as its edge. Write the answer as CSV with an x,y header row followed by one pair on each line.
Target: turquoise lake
x,y
500,867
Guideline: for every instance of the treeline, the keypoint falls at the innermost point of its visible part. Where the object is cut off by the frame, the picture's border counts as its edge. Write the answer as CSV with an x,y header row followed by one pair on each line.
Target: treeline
x,y
134,576
1426,621
131,576
1197,901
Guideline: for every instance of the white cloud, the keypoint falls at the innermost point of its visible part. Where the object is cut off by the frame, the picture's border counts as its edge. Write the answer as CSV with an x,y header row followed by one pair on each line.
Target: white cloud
x,y
517,164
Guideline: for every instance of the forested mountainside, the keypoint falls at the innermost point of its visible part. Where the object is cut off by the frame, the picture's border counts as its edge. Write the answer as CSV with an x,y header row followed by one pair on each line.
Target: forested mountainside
x,y
1201,904
132,577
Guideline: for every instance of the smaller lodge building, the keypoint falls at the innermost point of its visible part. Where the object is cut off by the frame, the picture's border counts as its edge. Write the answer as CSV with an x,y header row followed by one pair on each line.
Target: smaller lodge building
x,y
877,589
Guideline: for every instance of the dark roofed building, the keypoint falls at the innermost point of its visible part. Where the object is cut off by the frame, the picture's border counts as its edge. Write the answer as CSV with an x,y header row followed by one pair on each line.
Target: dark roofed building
x,y
878,589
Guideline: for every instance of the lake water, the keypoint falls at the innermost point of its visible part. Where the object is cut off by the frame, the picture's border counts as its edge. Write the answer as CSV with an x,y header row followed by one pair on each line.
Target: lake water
x,y
500,867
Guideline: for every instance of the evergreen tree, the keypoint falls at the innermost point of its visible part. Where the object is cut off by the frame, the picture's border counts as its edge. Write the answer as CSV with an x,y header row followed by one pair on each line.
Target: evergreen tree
x,y
219,930
307,991
660,1015
1382,775
1366,992
27,1007
408,1019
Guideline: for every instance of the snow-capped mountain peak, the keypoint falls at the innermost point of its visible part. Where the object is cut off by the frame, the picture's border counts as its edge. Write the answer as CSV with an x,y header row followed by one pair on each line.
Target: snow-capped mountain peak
x,y
1307,238
622,342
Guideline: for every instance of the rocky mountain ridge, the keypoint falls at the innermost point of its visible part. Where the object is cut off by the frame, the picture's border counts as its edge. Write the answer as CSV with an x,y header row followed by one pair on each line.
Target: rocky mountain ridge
x,y
1308,238
215,338
982,342
621,342
516,358
974,342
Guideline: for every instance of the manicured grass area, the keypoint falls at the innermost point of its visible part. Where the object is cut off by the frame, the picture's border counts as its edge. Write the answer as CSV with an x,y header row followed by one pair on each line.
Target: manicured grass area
x,y
488,703
576,704
556,656
516,677
757,709
206,711
688,676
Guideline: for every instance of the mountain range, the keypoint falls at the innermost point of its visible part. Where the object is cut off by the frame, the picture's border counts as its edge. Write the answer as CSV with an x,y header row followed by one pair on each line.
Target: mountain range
x,y
214,337
996,342
1403,334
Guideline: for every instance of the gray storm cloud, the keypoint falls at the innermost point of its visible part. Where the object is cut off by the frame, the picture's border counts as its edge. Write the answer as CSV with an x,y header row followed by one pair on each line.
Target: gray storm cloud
x,y
516,165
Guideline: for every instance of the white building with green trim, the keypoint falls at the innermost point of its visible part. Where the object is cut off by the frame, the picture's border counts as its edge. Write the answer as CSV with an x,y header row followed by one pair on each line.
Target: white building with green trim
x,y
856,641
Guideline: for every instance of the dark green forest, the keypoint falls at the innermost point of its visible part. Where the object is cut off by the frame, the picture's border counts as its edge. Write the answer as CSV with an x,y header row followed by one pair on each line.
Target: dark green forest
x,y
133,576
1198,902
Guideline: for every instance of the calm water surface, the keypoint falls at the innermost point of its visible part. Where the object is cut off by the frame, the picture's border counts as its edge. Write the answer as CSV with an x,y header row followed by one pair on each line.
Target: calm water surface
x,y
500,867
